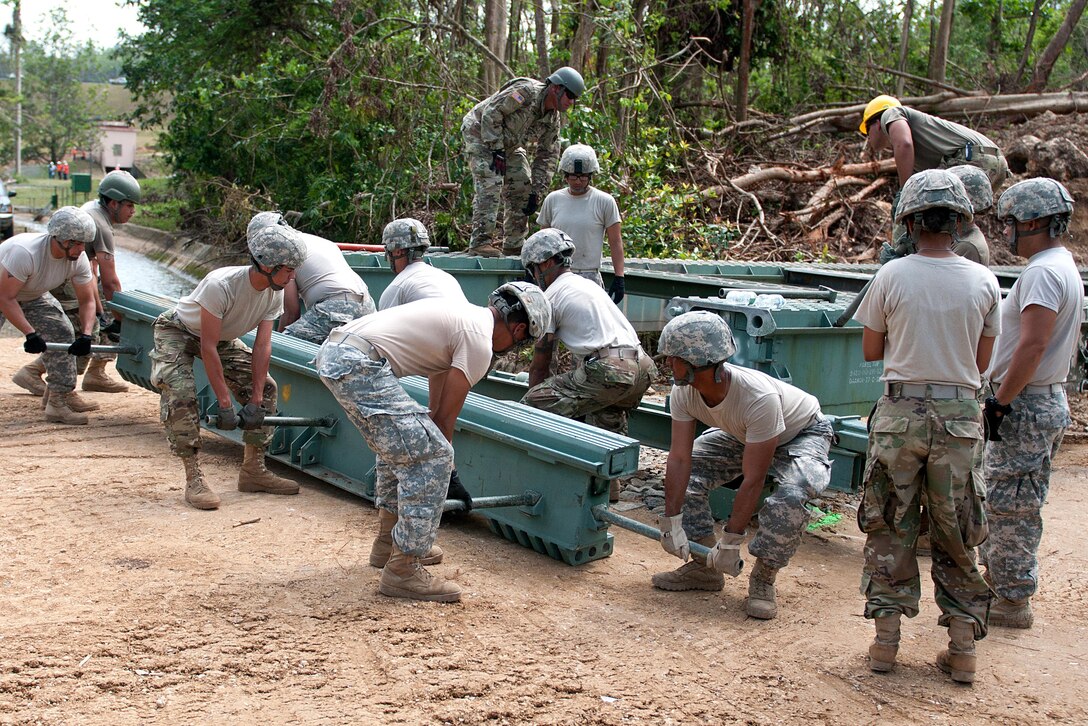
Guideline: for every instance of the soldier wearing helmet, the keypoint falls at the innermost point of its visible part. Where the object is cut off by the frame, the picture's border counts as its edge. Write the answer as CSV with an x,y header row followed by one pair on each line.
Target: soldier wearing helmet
x,y
361,363
761,427
932,318
524,112
588,215
330,289
1027,411
406,241
613,372
970,242
32,264
207,324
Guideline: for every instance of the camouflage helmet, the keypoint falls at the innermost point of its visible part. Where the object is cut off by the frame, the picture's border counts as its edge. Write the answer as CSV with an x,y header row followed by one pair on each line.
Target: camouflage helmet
x,y
977,184
579,159
277,246
405,234
544,245
530,298
932,189
700,338
569,79
119,186
264,219
72,224
1036,198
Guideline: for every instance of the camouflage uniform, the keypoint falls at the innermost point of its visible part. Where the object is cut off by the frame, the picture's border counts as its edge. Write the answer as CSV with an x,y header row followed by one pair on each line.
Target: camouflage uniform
x,y
591,275
801,470
172,374
66,296
48,319
317,322
924,446
508,121
414,458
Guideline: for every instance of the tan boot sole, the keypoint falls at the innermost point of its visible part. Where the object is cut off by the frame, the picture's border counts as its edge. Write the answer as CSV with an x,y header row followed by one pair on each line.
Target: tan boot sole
x,y
110,387
391,591
258,489
959,676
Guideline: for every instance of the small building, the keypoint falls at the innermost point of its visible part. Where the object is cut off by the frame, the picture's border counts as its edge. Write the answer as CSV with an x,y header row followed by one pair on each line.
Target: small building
x,y
117,146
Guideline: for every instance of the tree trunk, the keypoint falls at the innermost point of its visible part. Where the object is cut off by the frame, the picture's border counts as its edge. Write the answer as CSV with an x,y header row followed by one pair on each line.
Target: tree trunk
x,y
1028,41
513,36
579,45
993,44
748,14
543,63
1054,48
495,36
904,46
938,59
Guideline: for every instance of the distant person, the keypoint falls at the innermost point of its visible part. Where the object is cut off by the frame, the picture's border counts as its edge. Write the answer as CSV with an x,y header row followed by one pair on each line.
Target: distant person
x,y
496,131
588,216
63,168
52,169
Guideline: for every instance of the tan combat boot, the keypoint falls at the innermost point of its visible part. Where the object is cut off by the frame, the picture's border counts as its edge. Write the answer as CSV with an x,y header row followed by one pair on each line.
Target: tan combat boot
x,y
404,576
383,543
484,250
959,659
255,478
29,377
58,410
693,575
197,492
885,645
73,400
761,600
95,379
1011,613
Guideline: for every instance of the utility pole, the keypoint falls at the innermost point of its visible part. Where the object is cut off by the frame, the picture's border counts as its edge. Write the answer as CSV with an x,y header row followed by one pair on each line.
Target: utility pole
x,y
17,45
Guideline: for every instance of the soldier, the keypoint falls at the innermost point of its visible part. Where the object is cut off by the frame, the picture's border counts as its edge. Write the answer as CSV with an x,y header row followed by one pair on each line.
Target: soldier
x,y
931,317
361,362
31,264
761,427
613,371
970,242
118,194
333,293
524,111
1028,413
406,241
206,324
588,215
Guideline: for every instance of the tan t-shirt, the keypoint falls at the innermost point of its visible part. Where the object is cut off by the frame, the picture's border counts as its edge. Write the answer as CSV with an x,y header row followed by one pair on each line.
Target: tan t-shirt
x,y
933,311
756,408
325,272
584,316
228,294
427,337
103,238
27,258
421,281
584,218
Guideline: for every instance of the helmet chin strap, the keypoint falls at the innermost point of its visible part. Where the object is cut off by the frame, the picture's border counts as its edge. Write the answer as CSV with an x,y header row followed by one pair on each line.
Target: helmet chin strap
x,y
1015,235
267,275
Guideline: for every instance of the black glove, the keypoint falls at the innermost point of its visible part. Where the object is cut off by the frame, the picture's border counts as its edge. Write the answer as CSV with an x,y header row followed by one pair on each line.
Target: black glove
x,y
34,343
498,162
113,330
81,346
227,420
252,417
994,414
531,205
617,290
457,491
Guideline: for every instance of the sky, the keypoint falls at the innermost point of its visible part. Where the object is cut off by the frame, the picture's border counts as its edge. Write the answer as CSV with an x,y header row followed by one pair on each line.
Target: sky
x,y
97,20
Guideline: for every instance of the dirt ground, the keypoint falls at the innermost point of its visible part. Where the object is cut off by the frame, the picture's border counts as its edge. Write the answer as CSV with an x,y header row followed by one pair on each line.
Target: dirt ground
x,y
122,605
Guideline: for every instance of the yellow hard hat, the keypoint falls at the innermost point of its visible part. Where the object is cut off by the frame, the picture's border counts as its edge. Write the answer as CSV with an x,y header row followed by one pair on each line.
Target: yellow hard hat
x,y
878,104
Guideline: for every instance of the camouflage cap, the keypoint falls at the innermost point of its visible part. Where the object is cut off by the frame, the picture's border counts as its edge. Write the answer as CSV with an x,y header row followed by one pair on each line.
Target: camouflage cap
x,y
531,299
1035,198
700,338
931,189
977,184
405,234
544,245
278,246
579,159
264,219
72,224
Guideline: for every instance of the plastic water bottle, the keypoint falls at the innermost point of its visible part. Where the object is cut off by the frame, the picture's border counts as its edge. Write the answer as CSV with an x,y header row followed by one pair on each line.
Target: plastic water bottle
x,y
740,297
770,302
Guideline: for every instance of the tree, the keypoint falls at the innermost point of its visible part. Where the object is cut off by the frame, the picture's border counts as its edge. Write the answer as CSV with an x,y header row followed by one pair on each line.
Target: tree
x,y
938,58
1054,48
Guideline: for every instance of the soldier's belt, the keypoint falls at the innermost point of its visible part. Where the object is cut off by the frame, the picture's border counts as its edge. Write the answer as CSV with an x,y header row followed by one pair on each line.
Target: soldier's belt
x,y
928,390
1036,390
353,296
360,344
614,351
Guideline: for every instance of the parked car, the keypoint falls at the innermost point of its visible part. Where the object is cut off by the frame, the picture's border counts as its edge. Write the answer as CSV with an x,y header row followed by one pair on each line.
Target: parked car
x,y
7,216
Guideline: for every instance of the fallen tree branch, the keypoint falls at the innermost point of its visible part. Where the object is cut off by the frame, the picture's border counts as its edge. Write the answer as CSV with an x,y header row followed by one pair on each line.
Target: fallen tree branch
x,y
754,179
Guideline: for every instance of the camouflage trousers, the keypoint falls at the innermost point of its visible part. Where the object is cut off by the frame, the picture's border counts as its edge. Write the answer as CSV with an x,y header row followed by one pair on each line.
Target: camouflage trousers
x,y
600,392
924,447
50,322
414,459
66,296
801,470
1017,471
317,322
490,188
172,373
591,275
